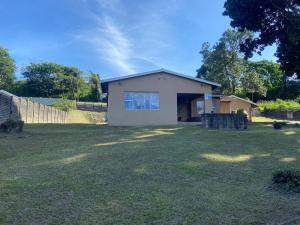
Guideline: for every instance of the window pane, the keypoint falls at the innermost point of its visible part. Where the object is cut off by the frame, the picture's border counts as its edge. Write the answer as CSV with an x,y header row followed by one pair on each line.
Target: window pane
x,y
128,96
214,108
141,101
128,105
138,101
147,101
200,107
154,101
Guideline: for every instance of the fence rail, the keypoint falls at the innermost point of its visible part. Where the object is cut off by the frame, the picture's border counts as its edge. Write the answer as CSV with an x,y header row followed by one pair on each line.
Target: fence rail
x,y
15,107
289,114
91,107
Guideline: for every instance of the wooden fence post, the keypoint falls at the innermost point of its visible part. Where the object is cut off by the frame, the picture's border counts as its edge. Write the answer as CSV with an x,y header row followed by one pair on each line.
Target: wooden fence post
x,y
39,107
26,110
10,106
32,112
43,113
47,114
20,103
50,109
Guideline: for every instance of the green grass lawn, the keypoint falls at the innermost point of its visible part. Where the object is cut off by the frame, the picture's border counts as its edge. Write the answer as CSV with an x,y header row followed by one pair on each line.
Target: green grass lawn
x,y
85,117
89,174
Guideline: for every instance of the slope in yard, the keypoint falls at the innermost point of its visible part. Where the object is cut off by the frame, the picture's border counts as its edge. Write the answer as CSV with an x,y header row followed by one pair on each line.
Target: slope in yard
x,y
89,174
86,117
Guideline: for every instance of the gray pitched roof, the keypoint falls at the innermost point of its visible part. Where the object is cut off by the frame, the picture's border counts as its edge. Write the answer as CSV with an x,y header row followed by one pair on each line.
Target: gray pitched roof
x,y
161,71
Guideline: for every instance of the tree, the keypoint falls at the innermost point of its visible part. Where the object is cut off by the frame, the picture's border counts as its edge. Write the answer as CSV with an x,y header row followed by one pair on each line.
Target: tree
x,y
274,22
95,84
223,63
272,76
54,80
71,82
41,79
7,70
20,88
251,82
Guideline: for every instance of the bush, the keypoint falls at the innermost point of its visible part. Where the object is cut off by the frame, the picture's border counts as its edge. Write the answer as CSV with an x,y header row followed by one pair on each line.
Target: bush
x,y
278,104
277,125
240,111
11,125
287,179
65,105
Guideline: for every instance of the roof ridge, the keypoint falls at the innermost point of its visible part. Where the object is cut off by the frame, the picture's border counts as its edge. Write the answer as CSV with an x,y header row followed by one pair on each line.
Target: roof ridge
x,y
158,71
246,100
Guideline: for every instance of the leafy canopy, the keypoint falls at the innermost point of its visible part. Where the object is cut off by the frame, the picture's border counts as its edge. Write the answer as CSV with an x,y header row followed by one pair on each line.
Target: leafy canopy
x,y
95,84
273,22
7,70
54,80
224,64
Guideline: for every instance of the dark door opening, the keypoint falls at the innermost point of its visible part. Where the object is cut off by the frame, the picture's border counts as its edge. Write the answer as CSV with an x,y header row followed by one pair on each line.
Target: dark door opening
x,y
187,107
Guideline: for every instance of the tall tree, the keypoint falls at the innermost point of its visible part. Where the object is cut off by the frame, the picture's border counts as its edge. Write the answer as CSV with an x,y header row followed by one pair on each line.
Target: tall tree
x,y
54,80
272,76
41,79
274,22
251,83
222,63
7,70
270,72
96,90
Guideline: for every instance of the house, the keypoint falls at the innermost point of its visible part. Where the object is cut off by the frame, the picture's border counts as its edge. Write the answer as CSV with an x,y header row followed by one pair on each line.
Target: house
x,y
232,103
160,97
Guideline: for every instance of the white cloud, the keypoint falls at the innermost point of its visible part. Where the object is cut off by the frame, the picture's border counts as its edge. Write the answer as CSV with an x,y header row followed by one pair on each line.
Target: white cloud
x,y
110,43
127,38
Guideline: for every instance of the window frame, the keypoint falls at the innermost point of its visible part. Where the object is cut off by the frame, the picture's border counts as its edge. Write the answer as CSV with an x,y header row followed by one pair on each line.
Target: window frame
x,y
148,99
203,106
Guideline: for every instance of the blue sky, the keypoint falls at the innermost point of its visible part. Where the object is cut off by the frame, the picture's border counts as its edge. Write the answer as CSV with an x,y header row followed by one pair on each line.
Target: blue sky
x,y
113,37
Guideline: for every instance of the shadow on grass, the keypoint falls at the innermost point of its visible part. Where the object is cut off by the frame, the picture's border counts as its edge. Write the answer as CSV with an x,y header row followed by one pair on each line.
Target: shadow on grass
x,y
146,175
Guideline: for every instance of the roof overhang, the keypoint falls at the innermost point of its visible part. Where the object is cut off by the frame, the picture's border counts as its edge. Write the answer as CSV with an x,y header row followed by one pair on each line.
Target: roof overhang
x,y
231,97
213,84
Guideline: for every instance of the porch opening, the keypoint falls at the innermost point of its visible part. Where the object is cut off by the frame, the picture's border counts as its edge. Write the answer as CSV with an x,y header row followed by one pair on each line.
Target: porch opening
x,y
190,107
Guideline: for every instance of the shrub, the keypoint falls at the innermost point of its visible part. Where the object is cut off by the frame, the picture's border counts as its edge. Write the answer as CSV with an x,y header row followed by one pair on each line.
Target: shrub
x,y
240,111
279,125
278,104
11,125
287,179
65,105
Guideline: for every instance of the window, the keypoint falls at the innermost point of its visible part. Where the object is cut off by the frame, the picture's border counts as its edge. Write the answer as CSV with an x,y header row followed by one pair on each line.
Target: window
x,y
214,108
141,101
200,107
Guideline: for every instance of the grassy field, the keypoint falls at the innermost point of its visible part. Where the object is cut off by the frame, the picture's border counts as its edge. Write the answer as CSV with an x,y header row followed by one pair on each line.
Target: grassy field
x,y
261,119
90,174
85,117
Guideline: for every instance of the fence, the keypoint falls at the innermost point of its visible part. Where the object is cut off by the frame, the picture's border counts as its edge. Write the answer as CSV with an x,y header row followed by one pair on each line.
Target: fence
x,y
225,121
15,107
85,106
289,114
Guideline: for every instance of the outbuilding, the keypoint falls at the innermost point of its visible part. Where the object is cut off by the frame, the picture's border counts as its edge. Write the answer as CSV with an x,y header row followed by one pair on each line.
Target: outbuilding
x,y
232,103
